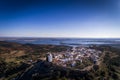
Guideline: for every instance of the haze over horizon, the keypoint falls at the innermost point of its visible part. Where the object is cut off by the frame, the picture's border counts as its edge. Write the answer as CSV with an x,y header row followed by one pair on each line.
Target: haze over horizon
x,y
60,18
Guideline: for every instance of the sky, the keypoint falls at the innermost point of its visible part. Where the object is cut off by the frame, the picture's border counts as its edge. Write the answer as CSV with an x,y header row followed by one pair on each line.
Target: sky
x,y
60,18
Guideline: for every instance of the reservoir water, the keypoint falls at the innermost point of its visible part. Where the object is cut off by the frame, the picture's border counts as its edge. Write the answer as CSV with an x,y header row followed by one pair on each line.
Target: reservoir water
x,y
65,41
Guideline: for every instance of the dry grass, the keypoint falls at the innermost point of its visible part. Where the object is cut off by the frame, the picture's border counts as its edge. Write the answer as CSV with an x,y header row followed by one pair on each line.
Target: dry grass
x,y
11,57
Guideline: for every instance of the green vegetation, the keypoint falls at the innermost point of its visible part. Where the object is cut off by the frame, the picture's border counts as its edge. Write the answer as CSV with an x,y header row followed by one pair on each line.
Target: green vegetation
x,y
10,70
14,56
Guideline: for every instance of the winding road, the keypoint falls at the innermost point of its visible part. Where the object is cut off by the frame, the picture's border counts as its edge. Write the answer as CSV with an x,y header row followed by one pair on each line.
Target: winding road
x,y
27,75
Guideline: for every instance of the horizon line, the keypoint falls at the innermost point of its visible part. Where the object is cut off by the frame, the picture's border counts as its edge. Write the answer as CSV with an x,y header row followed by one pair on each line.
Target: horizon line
x,y
59,37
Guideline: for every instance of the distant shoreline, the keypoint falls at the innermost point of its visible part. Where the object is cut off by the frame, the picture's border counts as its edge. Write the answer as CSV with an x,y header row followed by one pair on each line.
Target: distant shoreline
x,y
64,41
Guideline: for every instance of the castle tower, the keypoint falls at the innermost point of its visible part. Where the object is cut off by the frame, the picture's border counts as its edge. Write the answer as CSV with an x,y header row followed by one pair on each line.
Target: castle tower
x,y
49,57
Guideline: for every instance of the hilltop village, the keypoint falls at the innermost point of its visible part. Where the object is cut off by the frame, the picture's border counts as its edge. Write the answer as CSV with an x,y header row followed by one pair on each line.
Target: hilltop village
x,y
76,56
58,62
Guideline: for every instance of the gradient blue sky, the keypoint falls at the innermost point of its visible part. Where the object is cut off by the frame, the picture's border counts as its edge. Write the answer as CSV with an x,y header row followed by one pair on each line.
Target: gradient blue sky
x,y
60,18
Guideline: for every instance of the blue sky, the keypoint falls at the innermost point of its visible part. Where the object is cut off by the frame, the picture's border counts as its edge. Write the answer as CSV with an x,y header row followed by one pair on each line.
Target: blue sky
x,y
60,18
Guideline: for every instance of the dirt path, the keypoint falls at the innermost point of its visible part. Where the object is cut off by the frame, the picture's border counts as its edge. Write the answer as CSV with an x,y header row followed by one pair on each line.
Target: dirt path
x,y
88,68
101,58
